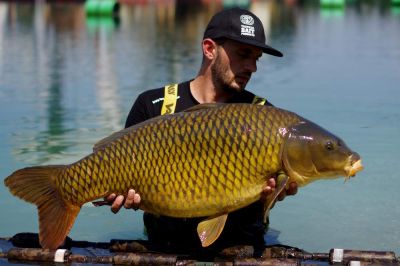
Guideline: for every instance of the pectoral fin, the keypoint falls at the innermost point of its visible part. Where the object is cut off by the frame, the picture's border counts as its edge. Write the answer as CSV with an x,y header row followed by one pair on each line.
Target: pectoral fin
x,y
210,229
281,181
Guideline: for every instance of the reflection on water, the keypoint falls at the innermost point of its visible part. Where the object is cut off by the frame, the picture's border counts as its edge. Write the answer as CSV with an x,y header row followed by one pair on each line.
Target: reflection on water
x,y
68,80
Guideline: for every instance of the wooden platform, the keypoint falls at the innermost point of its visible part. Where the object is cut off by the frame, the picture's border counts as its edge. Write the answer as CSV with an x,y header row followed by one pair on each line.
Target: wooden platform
x,y
24,248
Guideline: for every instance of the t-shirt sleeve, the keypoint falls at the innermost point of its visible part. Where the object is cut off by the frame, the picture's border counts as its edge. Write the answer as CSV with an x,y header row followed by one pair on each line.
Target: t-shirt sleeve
x,y
138,113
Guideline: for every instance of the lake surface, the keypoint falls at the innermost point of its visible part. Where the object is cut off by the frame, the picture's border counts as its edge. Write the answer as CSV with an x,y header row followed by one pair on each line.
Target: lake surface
x,y
68,80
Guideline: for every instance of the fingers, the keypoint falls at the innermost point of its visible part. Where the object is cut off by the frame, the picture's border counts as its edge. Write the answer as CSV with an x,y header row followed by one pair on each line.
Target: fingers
x,y
271,184
292,190
117,203
268,189
110,198
132,200
137,201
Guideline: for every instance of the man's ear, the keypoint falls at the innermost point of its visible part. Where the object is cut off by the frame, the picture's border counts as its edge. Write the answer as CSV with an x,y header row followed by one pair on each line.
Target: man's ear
x,y
209,49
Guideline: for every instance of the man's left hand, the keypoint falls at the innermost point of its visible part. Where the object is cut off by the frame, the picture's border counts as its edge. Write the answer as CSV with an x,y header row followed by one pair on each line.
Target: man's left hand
x,y
271,186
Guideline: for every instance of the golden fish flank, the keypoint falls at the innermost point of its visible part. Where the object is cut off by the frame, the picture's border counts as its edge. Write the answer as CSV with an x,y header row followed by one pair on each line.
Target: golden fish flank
x,y
208,161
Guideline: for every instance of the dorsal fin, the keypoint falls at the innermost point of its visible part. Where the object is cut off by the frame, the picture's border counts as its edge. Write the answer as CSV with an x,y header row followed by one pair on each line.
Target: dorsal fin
x,y
204,106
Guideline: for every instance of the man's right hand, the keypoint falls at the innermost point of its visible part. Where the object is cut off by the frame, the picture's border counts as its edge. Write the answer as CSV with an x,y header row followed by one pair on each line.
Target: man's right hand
x,y
132,201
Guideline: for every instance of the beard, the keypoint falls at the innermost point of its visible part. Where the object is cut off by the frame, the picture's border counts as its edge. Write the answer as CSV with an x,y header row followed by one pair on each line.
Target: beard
x,y
221,77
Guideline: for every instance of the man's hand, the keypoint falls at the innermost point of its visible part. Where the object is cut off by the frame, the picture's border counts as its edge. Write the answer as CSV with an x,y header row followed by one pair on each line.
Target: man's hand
x,y
290,191
270,187
132,201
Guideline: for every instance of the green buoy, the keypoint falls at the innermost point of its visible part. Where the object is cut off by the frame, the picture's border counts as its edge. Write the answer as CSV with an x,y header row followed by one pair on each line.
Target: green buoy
x,y
333,3
101,7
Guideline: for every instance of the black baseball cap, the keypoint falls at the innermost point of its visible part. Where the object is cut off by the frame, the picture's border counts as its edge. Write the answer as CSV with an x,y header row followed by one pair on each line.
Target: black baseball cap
x,y
239,25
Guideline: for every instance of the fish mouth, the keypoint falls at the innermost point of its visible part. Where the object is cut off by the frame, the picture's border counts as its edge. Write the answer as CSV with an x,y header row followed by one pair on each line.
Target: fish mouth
x,y
354,167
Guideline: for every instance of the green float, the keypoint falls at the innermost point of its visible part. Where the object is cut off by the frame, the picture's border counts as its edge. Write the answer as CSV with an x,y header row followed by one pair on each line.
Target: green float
x,y
333,3
101,7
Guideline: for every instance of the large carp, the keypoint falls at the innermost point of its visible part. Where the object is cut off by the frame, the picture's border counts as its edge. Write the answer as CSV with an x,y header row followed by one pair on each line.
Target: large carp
x,y
204,162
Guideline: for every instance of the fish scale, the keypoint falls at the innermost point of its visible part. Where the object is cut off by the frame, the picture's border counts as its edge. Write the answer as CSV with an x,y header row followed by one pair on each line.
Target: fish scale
x,y
186,154
208,161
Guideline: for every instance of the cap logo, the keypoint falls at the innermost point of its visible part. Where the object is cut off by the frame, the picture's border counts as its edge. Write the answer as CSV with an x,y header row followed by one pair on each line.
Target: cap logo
x,y
247,20
247,29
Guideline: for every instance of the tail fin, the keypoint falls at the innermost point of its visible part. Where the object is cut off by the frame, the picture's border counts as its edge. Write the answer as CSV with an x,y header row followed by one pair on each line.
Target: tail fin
x,y
56,216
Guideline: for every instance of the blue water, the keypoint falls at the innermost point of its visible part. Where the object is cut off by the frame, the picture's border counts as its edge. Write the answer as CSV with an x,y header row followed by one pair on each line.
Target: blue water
x,y
67,81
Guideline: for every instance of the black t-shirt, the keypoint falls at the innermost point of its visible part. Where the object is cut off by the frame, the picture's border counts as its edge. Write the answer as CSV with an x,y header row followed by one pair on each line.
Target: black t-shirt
x,y
149,103
168,234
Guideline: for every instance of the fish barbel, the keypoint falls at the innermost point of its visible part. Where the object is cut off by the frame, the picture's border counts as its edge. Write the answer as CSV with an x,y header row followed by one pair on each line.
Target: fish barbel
x,y
204,162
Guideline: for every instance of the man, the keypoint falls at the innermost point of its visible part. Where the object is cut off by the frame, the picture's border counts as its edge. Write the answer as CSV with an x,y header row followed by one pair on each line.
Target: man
x,y
233,42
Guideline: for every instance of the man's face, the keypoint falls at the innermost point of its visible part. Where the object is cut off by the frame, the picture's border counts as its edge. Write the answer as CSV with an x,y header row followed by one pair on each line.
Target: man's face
x,y
234,64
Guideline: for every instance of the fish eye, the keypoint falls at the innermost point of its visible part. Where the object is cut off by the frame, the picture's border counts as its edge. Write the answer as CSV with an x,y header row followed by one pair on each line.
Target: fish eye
x,y
329,145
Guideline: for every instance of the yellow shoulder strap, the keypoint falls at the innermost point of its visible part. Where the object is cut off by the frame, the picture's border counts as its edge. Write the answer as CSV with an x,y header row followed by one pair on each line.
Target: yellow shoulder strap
x,y
259,100
170,97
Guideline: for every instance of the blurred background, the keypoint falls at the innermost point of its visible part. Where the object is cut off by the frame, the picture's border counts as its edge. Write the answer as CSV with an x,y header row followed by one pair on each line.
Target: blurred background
x,y
69,74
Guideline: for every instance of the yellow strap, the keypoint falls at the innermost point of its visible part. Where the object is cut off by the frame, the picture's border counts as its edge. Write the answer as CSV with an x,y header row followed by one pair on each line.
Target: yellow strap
x,y
259,100
170,97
